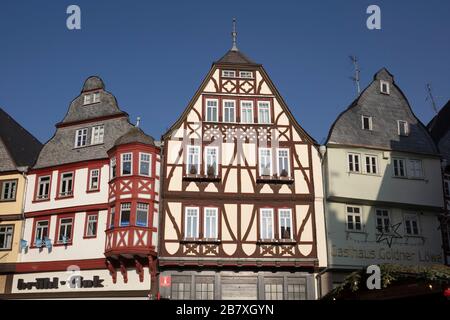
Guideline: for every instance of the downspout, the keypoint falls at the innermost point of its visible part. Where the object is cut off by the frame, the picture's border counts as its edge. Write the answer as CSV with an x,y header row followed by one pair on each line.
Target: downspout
x,y
23,170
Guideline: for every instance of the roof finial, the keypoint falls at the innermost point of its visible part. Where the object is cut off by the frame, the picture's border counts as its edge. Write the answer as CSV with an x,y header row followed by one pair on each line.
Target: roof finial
x,y
234,35
138,121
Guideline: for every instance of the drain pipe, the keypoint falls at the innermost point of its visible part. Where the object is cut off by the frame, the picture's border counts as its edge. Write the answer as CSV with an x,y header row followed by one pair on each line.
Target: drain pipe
x,y
23,170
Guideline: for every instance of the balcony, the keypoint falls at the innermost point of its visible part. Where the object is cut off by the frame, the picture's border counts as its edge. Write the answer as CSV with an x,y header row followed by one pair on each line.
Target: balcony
x,y
129,242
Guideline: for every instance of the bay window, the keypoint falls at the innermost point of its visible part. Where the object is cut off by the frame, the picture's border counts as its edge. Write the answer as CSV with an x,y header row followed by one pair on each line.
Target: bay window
x,y
144,164
125,213
142,214
126,164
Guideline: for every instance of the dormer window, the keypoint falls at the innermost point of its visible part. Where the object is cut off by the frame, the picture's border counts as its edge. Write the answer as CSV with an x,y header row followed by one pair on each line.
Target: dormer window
x,y
97,134
384,87
228,73
246,74
366,123
81,137
92,98
403,128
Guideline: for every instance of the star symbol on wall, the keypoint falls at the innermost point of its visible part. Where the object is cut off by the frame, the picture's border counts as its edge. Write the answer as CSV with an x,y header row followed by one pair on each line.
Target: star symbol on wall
x,y
390,236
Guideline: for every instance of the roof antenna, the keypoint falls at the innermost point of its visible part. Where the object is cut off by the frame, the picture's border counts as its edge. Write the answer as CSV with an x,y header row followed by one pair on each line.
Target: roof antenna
x,y
355,79
138,121
431,98
234,35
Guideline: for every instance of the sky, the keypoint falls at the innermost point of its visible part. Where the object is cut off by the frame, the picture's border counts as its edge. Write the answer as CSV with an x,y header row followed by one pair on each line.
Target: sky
x,y
153,55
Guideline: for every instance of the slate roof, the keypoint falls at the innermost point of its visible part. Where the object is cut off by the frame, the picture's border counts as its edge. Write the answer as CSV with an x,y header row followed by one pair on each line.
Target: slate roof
x,y
134,135
60,149
385,110
236,57
439,128
18,147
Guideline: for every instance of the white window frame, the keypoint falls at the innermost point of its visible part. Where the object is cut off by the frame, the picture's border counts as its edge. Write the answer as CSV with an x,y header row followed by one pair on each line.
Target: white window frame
x,y
206,155
406,124
186,219
96,97
63,226
126,206
215,212
262,232
91,176
81,133
399,160
411,216
243,72
12,190
279,170
268,112
142,207
370,123
383,224
66,193
354,155
419,161
122,162
285,210
388,87
43,197
207,107
371,157
149,161
89,222
112,168
225,108
8,235
40,227
261,163
353,215
91,98
228,74
98,134
112,217
188,162
251,107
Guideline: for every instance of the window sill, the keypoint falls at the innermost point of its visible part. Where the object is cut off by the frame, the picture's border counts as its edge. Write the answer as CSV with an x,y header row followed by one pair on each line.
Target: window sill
x,y
275,180
356,231
92,191
277,241
40,200
62,244
89,237
199,177
8,200
5,249
200,241
64,197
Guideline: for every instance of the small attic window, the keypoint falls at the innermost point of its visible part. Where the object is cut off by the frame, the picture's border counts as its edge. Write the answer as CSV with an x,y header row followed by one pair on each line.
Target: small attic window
x,y
384,87
228,73
246,74
403,128
366,123
92,98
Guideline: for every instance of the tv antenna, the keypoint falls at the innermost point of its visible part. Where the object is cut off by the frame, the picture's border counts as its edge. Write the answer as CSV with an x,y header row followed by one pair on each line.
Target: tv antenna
x,y
431,98
355,78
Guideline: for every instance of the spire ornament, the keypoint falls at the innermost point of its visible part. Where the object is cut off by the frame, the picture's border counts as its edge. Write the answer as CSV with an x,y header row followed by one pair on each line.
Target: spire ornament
x,y
234,36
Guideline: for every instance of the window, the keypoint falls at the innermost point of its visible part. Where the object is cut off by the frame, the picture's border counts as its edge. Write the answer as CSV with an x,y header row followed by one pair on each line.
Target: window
x,y
354,219
144,164
193,160
211,161
415,169
371,164
181,291
447,186
384,87
126,164
91,225
283,163
191,223
246,74
142,214
112,165
66,189
246,111
353,162
211,223
92,98
229,114
383,221
8,189
399,167
285,222
65,230
412,224
273,291
94,179
266,224
265,162
228,73
81,137
6,237
264,112
41,231
43,190
296,292
204,290
403,128
366,123
211,110
112,215
98,133
125,212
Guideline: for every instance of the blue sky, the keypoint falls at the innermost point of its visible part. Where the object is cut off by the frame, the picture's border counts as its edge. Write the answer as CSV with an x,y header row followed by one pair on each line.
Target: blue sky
x,y
153,55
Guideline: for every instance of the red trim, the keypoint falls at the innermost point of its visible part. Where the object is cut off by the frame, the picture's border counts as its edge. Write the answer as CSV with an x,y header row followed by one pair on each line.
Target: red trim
x,y
58,222
33,232
68,124
92,207
44,266
58,186
36,186
86,220
88,184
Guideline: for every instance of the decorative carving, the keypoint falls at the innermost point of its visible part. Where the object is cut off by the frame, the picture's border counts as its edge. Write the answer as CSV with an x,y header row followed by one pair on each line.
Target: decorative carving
x,y
112,270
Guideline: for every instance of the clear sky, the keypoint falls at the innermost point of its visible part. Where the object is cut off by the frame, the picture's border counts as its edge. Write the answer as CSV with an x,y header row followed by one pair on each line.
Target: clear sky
x,y
153,55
